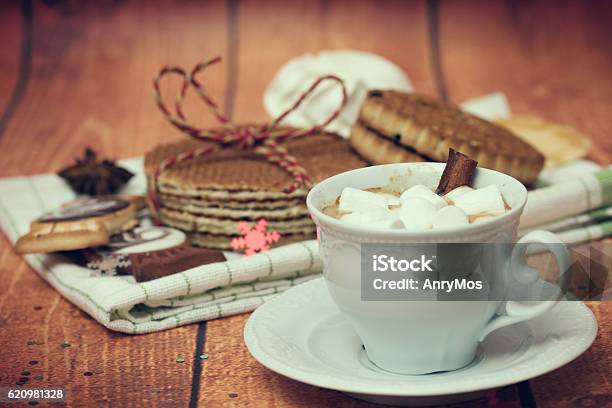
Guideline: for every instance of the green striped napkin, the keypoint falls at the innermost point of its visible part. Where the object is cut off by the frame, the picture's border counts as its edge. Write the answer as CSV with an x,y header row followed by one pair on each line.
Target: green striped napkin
x,y
118,302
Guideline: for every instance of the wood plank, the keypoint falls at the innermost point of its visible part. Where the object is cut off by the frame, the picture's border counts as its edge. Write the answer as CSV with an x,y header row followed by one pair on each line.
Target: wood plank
x,y
394,29
11,32
586,381
91,85
231,377
91,79
132,366
232,380
550,60
553,62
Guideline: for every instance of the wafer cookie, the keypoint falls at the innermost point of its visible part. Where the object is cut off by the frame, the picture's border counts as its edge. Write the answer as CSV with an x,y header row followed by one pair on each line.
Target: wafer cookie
x,y
241,174
431,127
379,149
232,204
189,222
287,212
224,241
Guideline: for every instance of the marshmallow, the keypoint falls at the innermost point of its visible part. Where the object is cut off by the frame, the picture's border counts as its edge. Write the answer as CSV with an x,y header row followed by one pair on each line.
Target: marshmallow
x,y
355,200
453,195
417,214
392,200
487,200
420,191
373,214
391,223
450,216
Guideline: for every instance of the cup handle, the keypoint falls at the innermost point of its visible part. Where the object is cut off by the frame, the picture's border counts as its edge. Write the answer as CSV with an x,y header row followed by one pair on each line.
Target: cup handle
x,y
516,311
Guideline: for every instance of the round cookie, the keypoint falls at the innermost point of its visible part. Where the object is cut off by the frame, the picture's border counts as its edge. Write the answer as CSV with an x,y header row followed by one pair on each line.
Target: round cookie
x,y
431,127
378,149
559,143
62,241
78,224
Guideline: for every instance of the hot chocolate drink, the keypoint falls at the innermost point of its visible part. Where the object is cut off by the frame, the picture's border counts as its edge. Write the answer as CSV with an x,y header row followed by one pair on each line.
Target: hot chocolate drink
x,y
418,208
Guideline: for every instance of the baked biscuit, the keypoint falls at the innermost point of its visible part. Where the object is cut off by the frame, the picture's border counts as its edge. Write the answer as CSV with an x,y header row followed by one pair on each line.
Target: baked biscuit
x,y
559,143
378,149
82,223
431,127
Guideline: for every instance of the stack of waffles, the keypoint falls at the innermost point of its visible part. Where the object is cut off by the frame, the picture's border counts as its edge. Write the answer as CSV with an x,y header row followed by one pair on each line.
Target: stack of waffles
x,y
207,197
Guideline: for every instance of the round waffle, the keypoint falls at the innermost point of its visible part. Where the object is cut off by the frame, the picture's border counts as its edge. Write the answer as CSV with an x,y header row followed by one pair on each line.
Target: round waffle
x,y
208,196
224,242
238,174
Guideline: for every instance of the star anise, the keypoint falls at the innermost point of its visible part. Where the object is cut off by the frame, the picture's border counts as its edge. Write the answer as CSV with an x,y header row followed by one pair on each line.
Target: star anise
x,y
92,177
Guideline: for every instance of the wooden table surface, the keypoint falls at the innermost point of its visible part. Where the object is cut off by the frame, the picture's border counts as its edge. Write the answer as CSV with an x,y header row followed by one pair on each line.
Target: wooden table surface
x,y
74,74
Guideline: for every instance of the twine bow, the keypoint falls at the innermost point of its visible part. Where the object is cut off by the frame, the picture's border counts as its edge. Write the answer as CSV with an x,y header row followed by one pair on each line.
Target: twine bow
x,y
264,140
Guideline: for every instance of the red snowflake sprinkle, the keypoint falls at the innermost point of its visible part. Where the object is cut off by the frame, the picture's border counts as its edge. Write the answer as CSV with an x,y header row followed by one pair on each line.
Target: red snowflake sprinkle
x,y
255,239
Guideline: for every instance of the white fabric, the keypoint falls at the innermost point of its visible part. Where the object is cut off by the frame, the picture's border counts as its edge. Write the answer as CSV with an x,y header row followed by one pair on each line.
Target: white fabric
x,y
488,107
361,71
118,302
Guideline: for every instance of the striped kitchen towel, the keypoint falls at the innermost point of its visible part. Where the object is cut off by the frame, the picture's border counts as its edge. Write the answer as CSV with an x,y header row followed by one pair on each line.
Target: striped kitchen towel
x,y
210,291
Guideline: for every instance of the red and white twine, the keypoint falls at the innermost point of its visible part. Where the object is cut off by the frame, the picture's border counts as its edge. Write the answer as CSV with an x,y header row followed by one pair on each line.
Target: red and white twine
x,y
264,140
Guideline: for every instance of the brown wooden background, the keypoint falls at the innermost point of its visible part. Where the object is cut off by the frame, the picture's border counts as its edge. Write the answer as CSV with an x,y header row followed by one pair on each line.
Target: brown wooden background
x,y
75,74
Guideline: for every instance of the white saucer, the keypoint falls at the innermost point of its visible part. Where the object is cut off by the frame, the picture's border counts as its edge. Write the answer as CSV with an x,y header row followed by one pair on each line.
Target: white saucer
x,y
302,335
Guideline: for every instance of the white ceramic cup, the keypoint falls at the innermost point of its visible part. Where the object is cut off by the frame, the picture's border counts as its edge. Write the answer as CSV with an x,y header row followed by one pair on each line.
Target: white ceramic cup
x,y
418,337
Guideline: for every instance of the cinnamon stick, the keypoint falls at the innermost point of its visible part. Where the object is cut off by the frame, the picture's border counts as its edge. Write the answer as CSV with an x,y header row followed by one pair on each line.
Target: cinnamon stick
x,y
458,172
